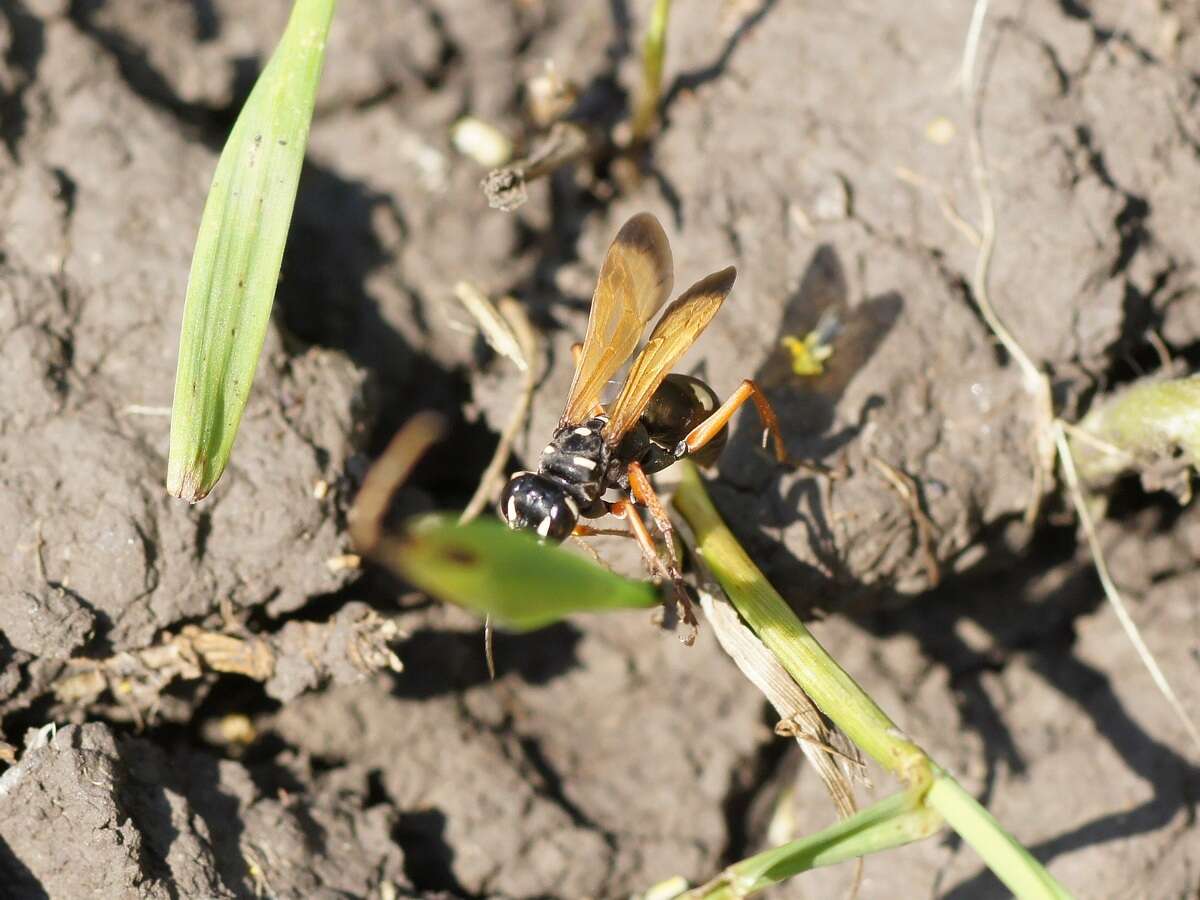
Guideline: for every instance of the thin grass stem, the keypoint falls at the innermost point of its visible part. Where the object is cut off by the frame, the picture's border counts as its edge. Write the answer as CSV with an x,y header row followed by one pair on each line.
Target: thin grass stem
x,y
654,49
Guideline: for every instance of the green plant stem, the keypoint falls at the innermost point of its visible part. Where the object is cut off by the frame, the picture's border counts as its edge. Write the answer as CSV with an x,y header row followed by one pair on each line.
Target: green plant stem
x,y
827,683
1012,863
845,703
654,49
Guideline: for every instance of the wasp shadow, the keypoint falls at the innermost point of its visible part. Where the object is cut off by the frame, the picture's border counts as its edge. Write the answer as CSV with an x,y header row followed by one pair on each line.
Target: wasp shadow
x,y
441,661
750,490
806,403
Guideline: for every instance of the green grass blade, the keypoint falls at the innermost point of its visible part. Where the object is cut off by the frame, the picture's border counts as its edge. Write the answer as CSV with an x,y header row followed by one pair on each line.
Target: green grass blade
x,y
654,50
490,569
238,252
893,822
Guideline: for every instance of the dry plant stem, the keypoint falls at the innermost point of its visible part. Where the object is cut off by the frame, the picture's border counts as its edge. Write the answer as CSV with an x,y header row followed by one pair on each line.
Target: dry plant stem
x,y
527,341
987,231
1049,433
838,696
1037,384
906,488
514,326
506,188
654,49
409,445
1071,476
837,767
496,331
949,210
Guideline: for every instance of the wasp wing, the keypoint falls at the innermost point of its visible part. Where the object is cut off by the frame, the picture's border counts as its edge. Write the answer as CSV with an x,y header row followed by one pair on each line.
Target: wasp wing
x,y
675,332
635,280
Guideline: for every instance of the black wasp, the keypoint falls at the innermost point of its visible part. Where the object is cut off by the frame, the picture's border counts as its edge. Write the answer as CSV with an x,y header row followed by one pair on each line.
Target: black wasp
x,y
656,419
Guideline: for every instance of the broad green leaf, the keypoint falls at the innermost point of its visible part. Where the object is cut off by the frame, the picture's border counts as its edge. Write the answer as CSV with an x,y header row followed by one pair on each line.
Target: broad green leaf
x,y
492,570
239,248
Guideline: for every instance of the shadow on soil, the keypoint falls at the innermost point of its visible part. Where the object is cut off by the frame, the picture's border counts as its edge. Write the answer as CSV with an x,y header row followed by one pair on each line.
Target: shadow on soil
x,y
440,661
17,878
806,407
1002,599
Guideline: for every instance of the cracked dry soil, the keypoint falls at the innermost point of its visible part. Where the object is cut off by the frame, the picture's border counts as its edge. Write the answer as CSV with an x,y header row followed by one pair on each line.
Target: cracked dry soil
x,y
815,146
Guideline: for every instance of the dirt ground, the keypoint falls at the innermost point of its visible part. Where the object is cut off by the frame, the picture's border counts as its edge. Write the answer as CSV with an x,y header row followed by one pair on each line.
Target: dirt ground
x,y
820,148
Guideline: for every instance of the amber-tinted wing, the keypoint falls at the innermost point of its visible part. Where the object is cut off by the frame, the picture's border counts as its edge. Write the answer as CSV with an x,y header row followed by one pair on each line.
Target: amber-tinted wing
x,y
677,330
635,280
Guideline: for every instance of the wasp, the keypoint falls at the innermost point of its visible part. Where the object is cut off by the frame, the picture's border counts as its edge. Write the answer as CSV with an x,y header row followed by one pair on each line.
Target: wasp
x,y
657,418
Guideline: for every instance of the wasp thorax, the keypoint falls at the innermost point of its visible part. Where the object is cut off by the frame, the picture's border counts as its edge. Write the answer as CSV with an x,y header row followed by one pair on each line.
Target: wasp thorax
x,y
577,458
532,502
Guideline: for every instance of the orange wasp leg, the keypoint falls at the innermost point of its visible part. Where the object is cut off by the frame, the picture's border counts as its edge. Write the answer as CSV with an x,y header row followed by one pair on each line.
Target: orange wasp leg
x,y
588,531
644,494
626,510
623,509
711,427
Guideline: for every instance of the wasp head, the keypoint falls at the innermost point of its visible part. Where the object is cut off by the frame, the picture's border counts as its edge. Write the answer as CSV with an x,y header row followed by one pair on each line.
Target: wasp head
x,y
532,502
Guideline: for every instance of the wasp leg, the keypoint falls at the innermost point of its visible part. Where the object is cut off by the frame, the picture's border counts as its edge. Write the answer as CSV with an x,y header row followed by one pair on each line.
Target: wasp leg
x,y
637,530
711,427
643,493
623,509
588,531
581,531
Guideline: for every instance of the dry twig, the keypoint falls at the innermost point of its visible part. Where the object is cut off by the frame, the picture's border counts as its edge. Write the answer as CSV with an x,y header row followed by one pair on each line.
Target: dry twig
x,y
906,488
510,333
506,188
525,341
